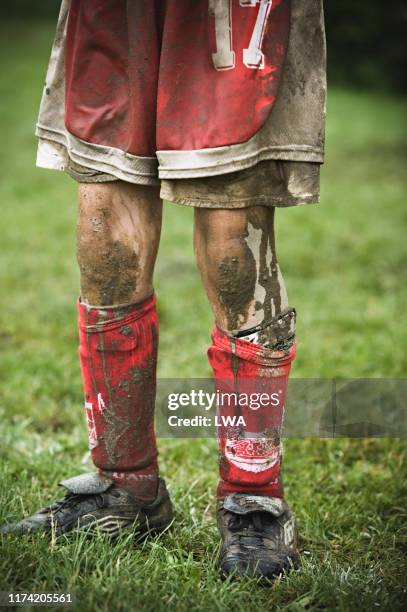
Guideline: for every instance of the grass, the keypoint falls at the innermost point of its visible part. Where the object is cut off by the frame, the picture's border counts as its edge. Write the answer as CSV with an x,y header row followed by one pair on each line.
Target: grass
x,y
344,264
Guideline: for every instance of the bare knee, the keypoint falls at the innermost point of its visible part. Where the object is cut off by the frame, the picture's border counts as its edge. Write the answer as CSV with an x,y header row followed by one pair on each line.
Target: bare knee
x,y
226,264
236,256
118,233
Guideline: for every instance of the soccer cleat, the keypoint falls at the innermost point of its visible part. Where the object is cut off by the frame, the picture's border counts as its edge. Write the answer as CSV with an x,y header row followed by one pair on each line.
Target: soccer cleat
x,y
94,501
259,536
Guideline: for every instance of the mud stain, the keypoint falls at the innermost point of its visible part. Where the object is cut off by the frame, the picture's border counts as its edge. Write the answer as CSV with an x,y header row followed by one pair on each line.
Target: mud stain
x,y
236,280
109,267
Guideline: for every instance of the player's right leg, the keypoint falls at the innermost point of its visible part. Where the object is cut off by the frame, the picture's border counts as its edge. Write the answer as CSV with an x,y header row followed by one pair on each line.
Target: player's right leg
x,y
117,240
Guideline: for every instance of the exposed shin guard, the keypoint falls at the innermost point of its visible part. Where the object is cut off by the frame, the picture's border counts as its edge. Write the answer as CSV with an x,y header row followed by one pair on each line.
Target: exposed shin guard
x,y
118,353
251,383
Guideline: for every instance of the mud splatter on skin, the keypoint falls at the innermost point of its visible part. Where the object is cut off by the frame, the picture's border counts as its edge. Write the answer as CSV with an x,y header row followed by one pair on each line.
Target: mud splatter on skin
x,y
236,284
108,276
236,255
241,277
117,238
98,225
109,268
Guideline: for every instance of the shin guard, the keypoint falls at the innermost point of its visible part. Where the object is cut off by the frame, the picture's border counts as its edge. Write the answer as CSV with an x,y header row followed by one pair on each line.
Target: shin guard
x,y
251,383
118,354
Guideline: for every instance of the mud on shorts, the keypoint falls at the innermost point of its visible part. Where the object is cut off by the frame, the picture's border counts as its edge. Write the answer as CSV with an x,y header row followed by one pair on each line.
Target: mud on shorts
x,y
221,102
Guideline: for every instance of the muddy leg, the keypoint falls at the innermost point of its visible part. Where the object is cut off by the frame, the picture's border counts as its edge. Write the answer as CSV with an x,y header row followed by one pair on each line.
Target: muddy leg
x,y
118,233
236,256
252,344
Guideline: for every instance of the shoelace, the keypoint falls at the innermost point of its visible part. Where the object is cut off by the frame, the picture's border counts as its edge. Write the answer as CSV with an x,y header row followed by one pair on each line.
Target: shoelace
x,y
73,499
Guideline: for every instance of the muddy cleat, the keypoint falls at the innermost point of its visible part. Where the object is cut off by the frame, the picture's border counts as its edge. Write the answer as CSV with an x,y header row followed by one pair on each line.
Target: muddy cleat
x,y
258,536
93,500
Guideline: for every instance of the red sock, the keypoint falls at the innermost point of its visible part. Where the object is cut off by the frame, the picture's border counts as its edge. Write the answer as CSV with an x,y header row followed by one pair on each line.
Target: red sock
x,y
118,354
250,452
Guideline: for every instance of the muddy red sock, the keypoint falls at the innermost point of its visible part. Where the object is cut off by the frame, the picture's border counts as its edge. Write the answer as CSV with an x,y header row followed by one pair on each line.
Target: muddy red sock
x,y
251,383
118,354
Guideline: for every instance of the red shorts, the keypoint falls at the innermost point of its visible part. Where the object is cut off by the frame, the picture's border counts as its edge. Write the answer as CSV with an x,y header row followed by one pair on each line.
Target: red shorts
x,y
180,89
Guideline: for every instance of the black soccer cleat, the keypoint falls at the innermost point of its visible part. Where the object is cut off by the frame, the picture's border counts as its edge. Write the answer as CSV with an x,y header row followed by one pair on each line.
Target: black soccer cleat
x,y
259,536
94,501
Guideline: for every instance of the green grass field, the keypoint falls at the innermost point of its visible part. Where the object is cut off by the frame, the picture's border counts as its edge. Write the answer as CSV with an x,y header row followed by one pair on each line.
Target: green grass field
x,y
344,263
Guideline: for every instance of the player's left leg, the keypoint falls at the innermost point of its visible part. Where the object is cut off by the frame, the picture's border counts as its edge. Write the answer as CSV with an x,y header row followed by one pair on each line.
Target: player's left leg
x,y
252,349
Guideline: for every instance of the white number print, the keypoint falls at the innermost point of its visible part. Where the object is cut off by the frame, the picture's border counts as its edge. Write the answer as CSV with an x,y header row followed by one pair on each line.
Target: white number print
x,y
221,10
224,57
